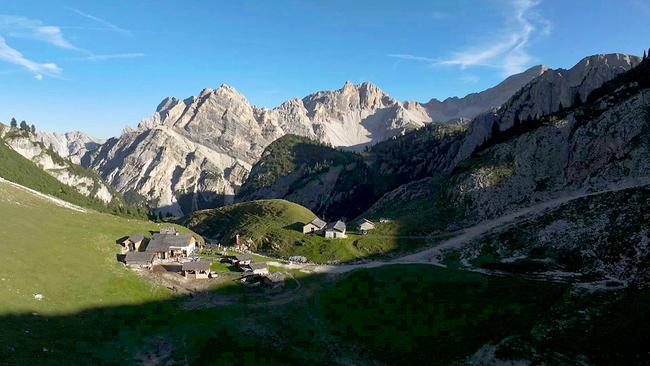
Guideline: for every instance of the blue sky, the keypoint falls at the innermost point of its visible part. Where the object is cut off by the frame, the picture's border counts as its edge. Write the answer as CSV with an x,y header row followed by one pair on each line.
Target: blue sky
x,y
97,66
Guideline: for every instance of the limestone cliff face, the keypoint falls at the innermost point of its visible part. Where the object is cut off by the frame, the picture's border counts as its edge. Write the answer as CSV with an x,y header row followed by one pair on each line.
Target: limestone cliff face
x,y
227,135
548,93
31,147
171,171
474,104
571,154
72,145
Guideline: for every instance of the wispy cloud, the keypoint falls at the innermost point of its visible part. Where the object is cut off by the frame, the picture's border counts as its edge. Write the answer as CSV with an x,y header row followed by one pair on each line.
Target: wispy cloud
x,y
408,57
22,27
11,55
105,23
508,51
113,56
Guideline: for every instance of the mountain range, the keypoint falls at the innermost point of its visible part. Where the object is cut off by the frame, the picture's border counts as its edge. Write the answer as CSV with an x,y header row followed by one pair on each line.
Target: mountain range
x,y
196,153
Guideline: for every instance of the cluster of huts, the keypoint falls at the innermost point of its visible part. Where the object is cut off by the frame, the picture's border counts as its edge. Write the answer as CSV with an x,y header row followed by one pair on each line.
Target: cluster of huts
x,y
336,229
166,244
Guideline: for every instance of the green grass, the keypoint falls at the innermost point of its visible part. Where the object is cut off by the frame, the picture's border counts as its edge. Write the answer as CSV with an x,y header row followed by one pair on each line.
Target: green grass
x,y
275,228
96,311
67,256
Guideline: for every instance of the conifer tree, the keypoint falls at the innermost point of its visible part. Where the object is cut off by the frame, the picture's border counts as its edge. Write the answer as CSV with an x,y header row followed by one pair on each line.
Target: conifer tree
x,y
14,123
33,128
23,126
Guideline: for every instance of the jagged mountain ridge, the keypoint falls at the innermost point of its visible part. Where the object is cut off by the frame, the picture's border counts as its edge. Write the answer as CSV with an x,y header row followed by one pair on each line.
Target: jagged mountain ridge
x,y
427,152
72,145
160,161
222,120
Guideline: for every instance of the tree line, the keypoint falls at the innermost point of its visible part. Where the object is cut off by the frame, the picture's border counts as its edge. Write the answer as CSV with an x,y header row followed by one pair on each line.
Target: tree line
x,y
23,126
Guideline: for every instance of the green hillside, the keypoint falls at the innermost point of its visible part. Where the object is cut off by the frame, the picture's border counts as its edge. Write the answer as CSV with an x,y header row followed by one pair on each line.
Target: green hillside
x,y
274,227
96,311
65,255
16,168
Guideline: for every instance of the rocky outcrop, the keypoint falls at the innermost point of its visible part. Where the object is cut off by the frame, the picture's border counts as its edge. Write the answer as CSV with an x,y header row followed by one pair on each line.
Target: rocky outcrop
x,y
171,171
31,147
474,104
72,145
551,92
225,124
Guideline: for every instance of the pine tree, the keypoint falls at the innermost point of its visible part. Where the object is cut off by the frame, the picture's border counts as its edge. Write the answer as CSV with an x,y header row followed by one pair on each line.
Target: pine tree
x,y
14,123
33,128
23,126
577,100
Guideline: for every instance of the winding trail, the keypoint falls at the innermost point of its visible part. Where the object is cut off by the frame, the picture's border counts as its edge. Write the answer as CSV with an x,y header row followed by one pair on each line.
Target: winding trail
x,y
433,255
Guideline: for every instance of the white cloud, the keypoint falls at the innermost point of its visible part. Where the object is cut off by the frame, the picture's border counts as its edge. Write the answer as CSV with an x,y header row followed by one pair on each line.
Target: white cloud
x,y
106,24
113,56
509,50
13,56
17,26
409,57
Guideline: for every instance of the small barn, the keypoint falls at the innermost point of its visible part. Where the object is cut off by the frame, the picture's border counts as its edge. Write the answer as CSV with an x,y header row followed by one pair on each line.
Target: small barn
x,y
365,225
139,259
260,268
314,226
133,243
335,230
172,245
242,259
201,269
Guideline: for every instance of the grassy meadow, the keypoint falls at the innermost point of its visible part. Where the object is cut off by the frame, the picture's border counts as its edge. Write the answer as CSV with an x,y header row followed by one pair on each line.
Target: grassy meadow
x,y
67,256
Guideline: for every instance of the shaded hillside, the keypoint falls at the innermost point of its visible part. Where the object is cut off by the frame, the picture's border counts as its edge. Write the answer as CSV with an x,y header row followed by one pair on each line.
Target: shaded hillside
x,y
16,168
591,146
604,236
274,227
339,184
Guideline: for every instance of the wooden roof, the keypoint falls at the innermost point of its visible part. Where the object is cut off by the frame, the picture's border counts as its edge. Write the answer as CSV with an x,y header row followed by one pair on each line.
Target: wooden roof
x,y
196,266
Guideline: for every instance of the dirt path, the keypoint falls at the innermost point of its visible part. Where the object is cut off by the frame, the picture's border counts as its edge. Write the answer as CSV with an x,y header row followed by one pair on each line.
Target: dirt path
x,y
433,255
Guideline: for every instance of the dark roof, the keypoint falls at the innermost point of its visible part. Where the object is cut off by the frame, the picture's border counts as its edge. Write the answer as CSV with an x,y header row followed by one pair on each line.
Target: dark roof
x,y
168,230
196,266
338,226
243,257
258,265
318,223
163,242
138,257
136,238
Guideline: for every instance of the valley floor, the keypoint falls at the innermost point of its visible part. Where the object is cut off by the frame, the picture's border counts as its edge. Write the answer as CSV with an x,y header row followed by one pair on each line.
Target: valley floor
x,y
93,310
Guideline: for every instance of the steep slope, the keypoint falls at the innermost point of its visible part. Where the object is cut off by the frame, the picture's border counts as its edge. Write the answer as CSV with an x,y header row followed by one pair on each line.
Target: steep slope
x,y
18,169
339,184
553,91
589,148
601,236
474,104
223,121
168,170
30,146
72,145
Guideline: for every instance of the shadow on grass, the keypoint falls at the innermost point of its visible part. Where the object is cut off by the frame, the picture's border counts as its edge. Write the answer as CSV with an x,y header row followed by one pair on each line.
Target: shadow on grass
x,y
393,315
